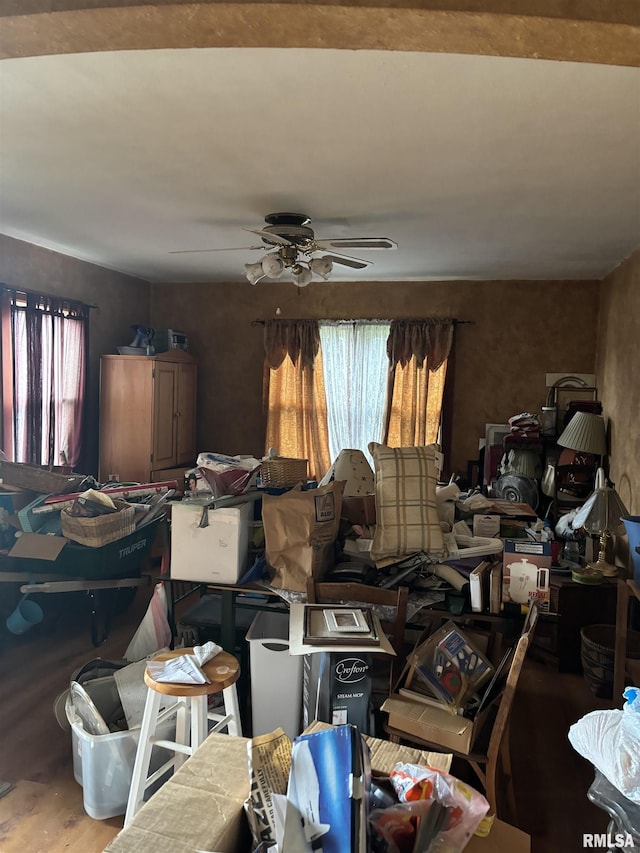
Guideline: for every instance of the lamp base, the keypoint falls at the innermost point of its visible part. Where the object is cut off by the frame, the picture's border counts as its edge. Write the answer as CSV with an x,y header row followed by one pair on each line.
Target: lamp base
x,y
607,569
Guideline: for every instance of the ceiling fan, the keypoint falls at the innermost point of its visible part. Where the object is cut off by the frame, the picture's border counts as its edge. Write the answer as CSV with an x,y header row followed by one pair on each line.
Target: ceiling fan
x,y
292,245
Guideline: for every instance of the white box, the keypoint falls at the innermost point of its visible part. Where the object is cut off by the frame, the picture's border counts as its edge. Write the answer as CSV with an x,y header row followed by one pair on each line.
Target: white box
x,y
215,553
103,764
276,676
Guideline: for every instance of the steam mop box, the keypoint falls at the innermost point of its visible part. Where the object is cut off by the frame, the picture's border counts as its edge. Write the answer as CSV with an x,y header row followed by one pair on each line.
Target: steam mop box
x,y
336,688
327,795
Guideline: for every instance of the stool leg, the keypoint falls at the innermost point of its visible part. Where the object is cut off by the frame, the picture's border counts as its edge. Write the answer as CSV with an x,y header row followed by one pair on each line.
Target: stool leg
x,y
198,721
231,706
143,755
182,729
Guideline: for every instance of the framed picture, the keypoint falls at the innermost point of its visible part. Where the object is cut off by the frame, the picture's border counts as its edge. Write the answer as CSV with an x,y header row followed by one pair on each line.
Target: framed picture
x,y
346,621
566,395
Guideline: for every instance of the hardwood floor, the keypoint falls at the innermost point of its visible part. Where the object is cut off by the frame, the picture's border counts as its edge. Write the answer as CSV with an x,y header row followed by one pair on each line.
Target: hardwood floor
x,y
44,812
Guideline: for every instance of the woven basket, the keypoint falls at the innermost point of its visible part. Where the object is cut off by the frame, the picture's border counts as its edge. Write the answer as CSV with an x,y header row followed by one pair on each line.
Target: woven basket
x,y
281,473
597,655
100,530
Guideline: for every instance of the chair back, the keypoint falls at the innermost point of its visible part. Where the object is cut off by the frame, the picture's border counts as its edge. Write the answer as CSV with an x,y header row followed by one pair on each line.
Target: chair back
x,y
393,623
501,722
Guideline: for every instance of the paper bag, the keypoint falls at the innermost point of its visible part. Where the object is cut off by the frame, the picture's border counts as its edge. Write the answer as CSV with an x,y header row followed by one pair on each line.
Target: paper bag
x,y
300,529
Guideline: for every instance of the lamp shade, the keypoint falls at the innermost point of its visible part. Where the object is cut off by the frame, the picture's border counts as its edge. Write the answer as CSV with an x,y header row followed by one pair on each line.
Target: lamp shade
x,y
352,467
586,433
301,275
254,272
273,265
602,511
322,266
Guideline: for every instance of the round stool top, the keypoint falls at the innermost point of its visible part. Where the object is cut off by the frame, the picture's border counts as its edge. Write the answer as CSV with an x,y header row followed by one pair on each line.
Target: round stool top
x,y
223,670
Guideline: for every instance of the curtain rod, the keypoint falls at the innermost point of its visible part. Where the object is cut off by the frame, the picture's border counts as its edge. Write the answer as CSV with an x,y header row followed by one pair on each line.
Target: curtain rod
x,y
8,289
258,322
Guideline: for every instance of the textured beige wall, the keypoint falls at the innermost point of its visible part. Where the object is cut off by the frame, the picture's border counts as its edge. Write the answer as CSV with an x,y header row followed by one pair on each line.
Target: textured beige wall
x,y
519,332
618,371
121,301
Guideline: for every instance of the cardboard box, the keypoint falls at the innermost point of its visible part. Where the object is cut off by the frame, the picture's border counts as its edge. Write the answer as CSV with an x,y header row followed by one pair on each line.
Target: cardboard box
x,y
359,509
216,552
433,724
201,806
337,689
526,572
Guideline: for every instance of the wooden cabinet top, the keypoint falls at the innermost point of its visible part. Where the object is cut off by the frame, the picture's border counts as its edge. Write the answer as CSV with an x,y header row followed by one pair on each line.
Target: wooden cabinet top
x,y
174,355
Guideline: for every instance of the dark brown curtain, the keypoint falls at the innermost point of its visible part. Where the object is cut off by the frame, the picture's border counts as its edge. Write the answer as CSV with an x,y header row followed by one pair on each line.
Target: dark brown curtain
x,y
295,393
49,355
418,351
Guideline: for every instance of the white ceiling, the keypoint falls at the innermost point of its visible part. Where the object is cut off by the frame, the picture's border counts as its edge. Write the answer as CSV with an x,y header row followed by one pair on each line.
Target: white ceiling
x,y
478,167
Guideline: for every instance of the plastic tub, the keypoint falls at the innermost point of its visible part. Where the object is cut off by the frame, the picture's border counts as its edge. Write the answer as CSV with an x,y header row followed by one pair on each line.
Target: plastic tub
x,y
276,676
103,764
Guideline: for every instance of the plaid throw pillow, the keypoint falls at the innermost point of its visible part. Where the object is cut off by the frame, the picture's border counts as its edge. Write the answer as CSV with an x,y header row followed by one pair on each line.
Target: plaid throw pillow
x,y
406,514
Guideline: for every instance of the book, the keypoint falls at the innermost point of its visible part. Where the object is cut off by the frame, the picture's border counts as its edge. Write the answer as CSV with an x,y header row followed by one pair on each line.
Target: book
x,y
479,586
495,587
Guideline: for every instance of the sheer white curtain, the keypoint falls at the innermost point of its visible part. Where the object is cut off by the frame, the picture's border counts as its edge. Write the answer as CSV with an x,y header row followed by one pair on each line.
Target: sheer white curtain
x,y
355,365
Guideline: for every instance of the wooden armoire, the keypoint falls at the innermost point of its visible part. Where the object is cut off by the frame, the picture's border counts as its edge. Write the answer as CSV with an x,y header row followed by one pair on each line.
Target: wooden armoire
x,y
147,416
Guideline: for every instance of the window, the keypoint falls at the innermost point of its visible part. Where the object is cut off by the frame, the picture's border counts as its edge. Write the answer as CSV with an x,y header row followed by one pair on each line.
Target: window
x,y
331,386
355,364
44,343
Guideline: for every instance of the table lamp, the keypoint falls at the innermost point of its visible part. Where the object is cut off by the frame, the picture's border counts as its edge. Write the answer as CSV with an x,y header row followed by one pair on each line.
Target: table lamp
x,y
351,465
585,433
601,515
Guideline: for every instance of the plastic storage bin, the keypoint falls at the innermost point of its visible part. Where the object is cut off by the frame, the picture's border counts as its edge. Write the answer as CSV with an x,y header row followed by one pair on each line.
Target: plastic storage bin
x,y
103,764
276,676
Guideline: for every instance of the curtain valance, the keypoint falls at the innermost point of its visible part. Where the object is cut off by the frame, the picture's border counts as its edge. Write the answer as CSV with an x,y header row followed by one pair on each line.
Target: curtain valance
x,y
298,339
424,339
46,304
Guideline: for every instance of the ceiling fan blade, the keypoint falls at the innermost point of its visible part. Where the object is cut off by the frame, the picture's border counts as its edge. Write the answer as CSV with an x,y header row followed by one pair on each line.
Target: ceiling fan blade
x,y
346,261
357,243
230,249
269,237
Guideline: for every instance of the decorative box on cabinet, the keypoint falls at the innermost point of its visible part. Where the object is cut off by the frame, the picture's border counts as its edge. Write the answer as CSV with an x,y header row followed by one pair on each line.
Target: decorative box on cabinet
x,y
147,416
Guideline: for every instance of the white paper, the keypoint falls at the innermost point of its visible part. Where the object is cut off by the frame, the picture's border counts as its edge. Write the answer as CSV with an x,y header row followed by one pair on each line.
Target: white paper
x,y
181,670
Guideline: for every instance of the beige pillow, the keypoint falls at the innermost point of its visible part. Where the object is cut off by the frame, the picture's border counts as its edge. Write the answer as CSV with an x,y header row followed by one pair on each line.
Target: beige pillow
x,y
406,513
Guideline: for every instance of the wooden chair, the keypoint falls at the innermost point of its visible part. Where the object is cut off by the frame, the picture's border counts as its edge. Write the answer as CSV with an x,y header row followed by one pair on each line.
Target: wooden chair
x,y
496,758
319,592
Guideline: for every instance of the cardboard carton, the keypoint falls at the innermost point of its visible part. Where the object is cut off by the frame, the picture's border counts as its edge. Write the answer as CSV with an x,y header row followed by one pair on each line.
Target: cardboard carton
x,y
211,548
202,806
437,725
359,509
526,572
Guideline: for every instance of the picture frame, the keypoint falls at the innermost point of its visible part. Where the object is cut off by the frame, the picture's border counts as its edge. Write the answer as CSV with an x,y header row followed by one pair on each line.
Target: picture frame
x,y
565,395
346,621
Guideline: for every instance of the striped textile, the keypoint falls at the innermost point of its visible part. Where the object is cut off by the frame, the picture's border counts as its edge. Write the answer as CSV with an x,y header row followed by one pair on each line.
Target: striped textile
x,y
406,515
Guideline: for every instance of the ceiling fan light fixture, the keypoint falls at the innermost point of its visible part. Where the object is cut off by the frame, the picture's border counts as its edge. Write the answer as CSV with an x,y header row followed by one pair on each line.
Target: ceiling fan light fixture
x,y
301,275
272,265
254,272
322,266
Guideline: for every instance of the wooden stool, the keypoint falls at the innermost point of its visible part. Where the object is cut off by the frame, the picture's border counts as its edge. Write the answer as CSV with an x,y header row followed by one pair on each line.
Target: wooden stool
x,y
190,700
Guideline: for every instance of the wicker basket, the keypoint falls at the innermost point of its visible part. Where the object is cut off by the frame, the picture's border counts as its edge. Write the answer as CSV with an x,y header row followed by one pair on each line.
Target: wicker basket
x,y
281,473
100,530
